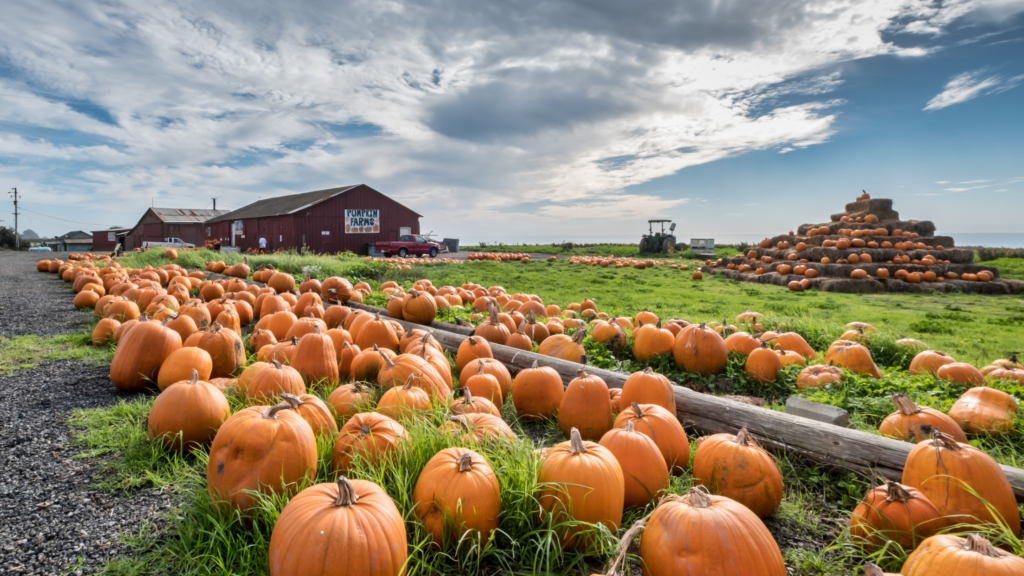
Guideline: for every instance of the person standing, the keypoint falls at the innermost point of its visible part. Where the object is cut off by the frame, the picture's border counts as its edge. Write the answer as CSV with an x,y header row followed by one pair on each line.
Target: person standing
x,y
263,245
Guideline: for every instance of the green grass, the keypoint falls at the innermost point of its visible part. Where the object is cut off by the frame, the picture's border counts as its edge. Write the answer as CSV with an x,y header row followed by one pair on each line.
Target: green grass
x,y
320,266
25,352
570,249
984,327
1012,268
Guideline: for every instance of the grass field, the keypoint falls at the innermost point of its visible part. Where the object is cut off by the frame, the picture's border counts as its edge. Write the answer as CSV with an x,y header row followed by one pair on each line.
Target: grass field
x,y
569,249
345,264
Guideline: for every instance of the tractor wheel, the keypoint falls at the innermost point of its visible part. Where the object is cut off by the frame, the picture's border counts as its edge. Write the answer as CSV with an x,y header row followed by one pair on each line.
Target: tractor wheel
x,y
669,246
643,245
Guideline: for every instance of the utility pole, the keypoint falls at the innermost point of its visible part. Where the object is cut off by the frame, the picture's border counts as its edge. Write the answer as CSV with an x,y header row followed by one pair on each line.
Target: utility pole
x,y
214,203
17,241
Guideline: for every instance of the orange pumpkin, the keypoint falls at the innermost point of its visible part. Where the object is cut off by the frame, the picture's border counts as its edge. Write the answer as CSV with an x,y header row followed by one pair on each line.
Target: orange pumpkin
x,y
314,411
961,373
369,436
984,410
737,468
946,553
817,376
537,392
700,350
893,512
853,357
586,406
643,467
664,428
187,414
648,387
457,492
762,365
929,362
912,423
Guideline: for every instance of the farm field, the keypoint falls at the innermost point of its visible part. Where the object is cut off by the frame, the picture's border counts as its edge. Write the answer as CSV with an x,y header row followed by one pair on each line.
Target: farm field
x,y
810,524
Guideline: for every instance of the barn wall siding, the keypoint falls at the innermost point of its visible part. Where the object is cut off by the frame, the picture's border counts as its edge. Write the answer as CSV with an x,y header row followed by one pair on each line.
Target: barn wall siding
x,y
329,216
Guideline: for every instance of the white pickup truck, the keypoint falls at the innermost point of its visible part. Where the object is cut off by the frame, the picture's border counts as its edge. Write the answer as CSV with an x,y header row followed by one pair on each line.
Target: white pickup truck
x,y
168,243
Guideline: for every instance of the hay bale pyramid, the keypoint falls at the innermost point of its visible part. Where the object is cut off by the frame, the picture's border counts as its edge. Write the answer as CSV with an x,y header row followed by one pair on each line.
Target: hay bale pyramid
x,y
896,255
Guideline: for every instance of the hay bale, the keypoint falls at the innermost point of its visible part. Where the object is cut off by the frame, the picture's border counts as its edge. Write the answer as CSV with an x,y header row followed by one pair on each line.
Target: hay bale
x,y
881,207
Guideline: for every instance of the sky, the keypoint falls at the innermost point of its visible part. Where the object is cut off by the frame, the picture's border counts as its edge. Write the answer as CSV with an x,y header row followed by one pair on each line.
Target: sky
x,y
521,120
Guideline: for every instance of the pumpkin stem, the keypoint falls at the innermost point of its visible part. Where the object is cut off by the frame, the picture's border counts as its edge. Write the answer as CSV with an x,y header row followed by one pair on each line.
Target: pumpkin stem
x,y
472,340
346,493
895,492
465,461
408,382
905,405
386,359
637,412
276,363
292,400
872,570
195,377
375,349
467,396
943,440
460,420
576,445
364,430
629,426
980,545
580,335
699,498
295,340
272,413
742,437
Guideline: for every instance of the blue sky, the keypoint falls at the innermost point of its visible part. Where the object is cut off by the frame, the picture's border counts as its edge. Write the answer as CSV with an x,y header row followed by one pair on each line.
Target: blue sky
x,y
529,120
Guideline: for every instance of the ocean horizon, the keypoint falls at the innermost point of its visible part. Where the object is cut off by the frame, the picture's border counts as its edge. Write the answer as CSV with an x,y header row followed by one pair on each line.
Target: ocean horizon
x,y
986,239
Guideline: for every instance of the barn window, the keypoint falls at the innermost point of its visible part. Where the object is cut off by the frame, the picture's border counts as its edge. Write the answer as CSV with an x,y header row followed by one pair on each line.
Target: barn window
x,y
325,233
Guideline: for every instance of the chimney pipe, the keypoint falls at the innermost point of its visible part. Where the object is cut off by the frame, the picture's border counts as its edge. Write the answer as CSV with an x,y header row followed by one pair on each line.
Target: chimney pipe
x,y
214,203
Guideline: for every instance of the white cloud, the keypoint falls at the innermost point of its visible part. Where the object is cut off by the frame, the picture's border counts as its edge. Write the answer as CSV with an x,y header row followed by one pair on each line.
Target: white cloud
x,y
965,189
970,85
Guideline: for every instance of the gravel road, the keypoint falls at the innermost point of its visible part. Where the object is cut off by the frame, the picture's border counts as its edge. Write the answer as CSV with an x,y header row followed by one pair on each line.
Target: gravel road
x,y
50,521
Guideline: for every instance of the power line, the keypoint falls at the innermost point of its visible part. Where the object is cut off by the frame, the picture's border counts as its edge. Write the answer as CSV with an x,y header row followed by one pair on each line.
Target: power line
x,y
64,219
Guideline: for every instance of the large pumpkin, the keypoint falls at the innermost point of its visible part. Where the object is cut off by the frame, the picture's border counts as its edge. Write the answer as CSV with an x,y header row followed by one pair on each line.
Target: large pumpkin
x,y
314,411
272,381
369,436
664,428
350,527
984,410
948,554
180,365
316,360
470,349
708,535
583,482
187,414
264,449
651,340
961,373
226,351
537,392
492,367
735,467
563,347
913,423
643,467
457,491
485,386
929,362
140,354
965,484
817,376
894,512
585,406
648,387
763,365
419,307
699,349
852,356
404,401
349,399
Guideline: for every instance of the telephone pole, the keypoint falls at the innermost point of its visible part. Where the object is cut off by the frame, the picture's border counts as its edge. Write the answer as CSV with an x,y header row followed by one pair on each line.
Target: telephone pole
x,y
17,241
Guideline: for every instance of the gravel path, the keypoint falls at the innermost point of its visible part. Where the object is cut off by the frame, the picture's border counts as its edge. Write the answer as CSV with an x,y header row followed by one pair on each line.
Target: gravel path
x,y
50,521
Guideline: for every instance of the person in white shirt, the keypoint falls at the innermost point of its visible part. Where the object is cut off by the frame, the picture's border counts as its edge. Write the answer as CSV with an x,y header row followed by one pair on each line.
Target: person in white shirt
x,y
263,245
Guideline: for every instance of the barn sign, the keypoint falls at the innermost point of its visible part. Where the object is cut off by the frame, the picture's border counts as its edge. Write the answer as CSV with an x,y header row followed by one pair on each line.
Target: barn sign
x,y
362,221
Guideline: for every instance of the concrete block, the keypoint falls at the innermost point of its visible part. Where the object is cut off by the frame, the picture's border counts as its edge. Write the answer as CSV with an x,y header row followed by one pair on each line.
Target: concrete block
x,y
798,406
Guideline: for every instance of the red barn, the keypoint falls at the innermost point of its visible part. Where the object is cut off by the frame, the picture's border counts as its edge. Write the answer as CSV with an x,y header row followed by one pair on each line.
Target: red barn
x,y
159,223
324,221
106,240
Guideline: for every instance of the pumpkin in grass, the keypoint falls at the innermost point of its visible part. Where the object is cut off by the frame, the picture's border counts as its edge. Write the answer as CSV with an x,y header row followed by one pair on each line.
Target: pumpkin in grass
x,y
303,326
586,406
736,467
336,289
535,331
961,373
226,350
419,307
261,338
457,492
187,414
104,331
484,385
492,329
140,354
699,533
853,357
742,343
180,365
371,436
398,371
648,387
470,404
793,342
272,381
335,316
520,340
643,467
563,347
763,365
262,449
700,350
366,364
377,331
537,392
817,377
348,400
583,482
910,422
947,554
650,340
893,512
965,484
470,349
984,410
315,359
247,376
610,334
323,531
664,428
492,367
929,362
314,411
404,401
477,427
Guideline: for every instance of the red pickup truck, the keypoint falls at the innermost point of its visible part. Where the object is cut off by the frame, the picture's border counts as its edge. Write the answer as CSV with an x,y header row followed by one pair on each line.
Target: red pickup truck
x,y
407,245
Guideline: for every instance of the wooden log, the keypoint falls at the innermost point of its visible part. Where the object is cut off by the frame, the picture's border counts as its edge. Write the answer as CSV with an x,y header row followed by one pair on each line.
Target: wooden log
x,y
829,445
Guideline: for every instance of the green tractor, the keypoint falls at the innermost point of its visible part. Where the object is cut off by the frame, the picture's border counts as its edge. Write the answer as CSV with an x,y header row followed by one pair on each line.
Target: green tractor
x,y
653,242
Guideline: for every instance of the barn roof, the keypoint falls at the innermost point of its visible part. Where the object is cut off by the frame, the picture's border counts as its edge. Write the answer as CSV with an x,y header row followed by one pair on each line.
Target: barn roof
x,y
289,204
181,215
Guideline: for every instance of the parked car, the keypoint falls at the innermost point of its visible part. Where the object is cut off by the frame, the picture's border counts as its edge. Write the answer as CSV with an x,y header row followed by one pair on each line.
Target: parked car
x,y
408,245
168,243
40,249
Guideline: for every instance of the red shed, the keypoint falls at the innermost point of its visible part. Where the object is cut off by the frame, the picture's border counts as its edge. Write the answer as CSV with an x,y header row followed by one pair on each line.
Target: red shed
x,y
159,223
106,240
324,221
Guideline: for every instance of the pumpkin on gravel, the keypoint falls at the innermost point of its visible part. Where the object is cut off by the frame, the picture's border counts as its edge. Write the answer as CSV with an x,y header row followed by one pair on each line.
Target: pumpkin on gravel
x,y
370,436
187,414
948,554
586,407
700,533
262,449
893,512
912,423
140,354
323,530
583,482
966,485
104,331
738,468
457,492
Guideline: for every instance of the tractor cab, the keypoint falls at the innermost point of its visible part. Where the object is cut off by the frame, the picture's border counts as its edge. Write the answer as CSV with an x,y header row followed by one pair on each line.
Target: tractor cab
x,y
659,241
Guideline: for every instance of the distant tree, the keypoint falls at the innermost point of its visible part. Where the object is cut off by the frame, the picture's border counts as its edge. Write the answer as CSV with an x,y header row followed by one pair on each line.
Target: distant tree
x,y
7,239
114,228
